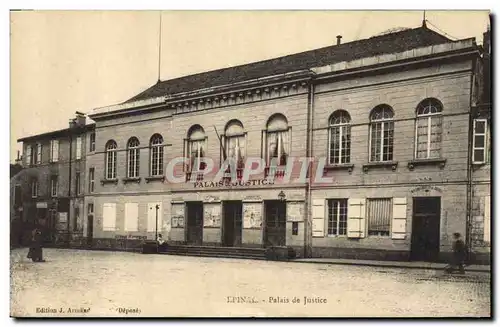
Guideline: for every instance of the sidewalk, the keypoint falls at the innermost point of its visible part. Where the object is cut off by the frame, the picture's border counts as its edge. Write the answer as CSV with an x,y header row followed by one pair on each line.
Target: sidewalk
x,y
390,264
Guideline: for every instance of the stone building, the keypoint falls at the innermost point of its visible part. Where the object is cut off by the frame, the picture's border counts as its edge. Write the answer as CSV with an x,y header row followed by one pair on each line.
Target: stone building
x,y
50,188
389,121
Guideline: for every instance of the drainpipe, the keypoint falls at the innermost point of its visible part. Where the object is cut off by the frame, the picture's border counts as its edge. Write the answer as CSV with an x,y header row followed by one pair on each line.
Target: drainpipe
x,y
308,220
468,219
69,185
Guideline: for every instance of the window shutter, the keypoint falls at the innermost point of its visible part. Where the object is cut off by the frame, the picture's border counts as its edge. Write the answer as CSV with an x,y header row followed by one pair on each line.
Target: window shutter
x,y
152,216
109,217
487,219
29,151
399,212
318,217
356,218
78,147
131,217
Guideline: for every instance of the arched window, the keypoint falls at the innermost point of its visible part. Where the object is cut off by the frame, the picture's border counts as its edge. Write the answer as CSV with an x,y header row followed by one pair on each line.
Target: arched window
x,y
156,155
111,149
196,144
277,140
235,146
428,129
340,138
381,133
133,158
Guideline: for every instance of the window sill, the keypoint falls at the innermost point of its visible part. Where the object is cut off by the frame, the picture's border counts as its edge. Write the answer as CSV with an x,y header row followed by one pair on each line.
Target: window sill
x,y
380,164
109,181
131,180
154,178
427,162
336,236
345,166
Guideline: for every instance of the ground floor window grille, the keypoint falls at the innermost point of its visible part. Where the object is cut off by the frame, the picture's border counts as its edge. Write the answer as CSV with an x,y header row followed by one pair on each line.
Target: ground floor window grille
x,y
337,217
379,216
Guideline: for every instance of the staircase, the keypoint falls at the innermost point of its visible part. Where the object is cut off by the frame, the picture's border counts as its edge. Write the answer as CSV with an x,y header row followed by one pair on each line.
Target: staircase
x,y
216,251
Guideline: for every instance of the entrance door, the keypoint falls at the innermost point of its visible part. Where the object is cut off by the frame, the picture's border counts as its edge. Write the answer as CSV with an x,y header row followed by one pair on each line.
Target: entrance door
x,y
232,221
194,230
90,229
425,228
275,227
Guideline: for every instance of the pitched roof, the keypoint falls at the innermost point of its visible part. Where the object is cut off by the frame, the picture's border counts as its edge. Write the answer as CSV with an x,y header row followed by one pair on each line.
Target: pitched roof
x,y
377,45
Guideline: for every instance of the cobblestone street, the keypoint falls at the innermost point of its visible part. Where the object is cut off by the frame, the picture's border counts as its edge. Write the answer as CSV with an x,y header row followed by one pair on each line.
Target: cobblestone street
x,y
100,283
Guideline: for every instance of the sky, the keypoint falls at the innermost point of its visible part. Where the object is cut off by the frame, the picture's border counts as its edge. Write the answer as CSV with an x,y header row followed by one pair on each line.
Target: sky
x,y
67,61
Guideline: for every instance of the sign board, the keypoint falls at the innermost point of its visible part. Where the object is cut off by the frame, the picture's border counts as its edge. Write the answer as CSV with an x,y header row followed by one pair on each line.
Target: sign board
x,y
41,205
178,215
295,211
211,214
63,217
252,215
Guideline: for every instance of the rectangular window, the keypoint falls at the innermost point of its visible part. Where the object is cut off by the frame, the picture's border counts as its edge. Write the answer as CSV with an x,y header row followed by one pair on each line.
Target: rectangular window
x,y
90,209
92,142
38,154
340,145
54,150
379,216
91,180
109,217
295,228
196,151
34,189
131,217
78,147
428,139
156,160
480,145
77,183
381,139
53,186
111,164
29,155
337,217
133,163
278,147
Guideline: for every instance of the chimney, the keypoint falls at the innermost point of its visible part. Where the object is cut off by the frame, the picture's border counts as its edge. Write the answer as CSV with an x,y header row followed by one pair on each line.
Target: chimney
x,y
79,121
339,37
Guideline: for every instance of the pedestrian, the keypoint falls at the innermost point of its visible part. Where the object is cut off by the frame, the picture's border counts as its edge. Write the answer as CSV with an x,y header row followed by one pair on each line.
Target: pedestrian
x,y
161,243
36,251
459,255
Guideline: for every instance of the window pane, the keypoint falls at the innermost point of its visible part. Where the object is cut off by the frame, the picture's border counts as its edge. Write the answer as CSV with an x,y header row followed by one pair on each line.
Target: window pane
x,y
335,145
480,126
422,129
388,141
346,145
376,140
479,141
479,155
435,140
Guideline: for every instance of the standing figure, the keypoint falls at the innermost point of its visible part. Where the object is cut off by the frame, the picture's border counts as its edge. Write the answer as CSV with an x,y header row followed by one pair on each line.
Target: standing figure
x,y
36,246
162,244
459,255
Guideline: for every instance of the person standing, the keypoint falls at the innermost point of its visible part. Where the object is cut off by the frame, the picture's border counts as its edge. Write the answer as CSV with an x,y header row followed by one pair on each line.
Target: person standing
x,y
459,255
36,250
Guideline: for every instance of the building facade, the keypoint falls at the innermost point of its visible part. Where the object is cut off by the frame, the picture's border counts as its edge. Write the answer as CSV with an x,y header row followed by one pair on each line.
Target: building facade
x,y
388,122
50,188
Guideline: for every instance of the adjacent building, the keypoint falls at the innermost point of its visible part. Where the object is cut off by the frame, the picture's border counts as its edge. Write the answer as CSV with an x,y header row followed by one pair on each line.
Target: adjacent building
x,y
394,117
50,188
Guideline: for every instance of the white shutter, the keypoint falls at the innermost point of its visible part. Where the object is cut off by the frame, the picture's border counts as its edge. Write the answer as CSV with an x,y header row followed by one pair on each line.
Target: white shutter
x,y
109,217
318,217
152,216
39,154
487,219
399,213
131,217
356,218
55,150
78,147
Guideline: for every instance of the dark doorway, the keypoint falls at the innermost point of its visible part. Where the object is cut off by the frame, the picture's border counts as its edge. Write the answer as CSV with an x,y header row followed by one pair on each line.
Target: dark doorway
x,y
425,228
194,230
275,226
90,229
232,221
